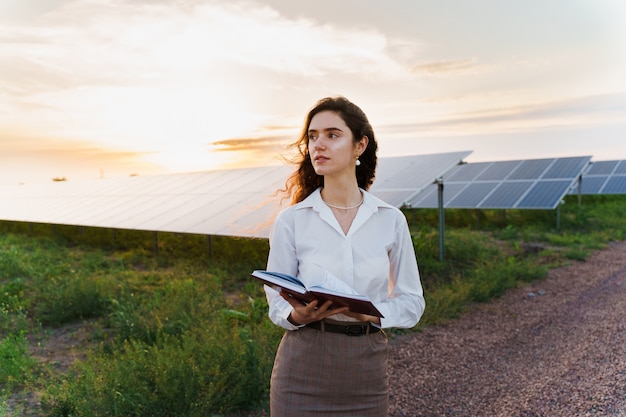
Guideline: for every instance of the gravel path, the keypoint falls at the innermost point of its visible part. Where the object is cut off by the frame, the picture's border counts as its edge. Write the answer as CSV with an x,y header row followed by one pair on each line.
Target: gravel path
x,y
556,347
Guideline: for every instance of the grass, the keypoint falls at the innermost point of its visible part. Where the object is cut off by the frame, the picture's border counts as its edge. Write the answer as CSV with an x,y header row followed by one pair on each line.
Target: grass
x,y
183,332
17,364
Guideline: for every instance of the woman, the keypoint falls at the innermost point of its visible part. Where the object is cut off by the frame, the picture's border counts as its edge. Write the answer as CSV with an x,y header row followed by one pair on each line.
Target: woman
x,y
333,362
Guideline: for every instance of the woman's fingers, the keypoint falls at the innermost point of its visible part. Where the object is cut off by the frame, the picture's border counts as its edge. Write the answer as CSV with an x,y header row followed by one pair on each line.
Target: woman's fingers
x,y
307,313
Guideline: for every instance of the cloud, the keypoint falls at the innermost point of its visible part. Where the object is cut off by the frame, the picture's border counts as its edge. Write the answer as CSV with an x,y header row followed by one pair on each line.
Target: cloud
x,y
263,144
115,42
141,74
572,111
575,112
445,67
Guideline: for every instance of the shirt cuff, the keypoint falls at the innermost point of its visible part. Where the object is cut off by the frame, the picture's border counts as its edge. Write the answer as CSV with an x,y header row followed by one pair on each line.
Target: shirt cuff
x,y
293,326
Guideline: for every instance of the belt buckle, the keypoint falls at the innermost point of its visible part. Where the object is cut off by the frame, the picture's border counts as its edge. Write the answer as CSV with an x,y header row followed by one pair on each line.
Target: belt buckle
x,y
356,330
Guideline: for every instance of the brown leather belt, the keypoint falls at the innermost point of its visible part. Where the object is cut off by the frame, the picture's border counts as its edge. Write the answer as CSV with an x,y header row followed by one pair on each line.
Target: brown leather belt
x,y
357,329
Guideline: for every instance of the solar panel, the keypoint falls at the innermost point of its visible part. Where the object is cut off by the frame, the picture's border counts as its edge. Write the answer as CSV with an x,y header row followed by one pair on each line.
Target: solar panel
x,y
615,185
401,178
530,169
468,172
472,194
591,185
602,168
620,168
506,195
523,184
236,202
174,203
497,172
566,168
545,194
604,178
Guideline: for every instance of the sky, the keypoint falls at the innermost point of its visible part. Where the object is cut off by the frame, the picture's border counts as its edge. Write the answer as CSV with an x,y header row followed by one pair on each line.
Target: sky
x,y
106,88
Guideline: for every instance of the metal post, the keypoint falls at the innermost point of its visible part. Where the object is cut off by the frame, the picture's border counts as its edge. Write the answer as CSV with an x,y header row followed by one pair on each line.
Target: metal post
x,y
441,217
155,242
209,245
580,192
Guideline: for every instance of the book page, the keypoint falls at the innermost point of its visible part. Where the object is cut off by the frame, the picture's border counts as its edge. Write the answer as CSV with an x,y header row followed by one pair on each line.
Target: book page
x,y
332,284
276,280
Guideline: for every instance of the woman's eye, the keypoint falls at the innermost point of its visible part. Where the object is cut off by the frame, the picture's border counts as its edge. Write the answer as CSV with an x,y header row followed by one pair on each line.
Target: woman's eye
x,y
332,135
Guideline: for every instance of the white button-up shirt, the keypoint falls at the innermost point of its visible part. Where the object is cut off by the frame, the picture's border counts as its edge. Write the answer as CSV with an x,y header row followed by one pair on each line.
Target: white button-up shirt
x,y
376,257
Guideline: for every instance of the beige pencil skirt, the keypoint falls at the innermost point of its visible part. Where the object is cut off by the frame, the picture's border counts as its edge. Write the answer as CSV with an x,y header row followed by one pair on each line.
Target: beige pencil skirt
x,y
328,374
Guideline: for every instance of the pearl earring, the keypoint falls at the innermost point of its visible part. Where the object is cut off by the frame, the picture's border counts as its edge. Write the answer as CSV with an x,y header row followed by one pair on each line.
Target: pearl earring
x,y
358,162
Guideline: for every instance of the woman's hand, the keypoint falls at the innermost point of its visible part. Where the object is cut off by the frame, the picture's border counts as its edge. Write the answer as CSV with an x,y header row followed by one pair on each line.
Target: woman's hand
x,y
308,313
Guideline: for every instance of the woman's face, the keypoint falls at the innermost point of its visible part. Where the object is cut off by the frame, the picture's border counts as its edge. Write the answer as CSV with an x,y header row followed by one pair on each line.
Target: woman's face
x,y
331,145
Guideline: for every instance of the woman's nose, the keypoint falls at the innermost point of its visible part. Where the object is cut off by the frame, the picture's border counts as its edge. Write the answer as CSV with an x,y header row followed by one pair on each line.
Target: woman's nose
x,y
319,145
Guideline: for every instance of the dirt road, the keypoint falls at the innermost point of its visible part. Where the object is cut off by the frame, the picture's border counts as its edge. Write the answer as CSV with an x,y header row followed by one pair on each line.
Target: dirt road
x,y
556,347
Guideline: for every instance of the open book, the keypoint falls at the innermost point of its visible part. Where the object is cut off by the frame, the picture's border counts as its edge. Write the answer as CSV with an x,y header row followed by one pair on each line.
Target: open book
x,y
331,288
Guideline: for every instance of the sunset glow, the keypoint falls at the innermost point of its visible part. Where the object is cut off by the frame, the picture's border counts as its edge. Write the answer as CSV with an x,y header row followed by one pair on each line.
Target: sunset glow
x,y
123,87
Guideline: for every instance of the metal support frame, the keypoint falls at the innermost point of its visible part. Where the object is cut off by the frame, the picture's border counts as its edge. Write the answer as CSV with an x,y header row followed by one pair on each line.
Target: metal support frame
x,y
209,245
439,182
155,242
580,192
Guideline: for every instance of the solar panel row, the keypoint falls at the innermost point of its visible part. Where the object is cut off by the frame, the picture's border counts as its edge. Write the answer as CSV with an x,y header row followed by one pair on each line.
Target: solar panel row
x,y
399,179
240,202
213,202
237,202
522,184
604,177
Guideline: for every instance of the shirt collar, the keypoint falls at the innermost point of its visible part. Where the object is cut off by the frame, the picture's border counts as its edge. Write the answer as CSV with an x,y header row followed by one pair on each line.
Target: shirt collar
x,y
370,206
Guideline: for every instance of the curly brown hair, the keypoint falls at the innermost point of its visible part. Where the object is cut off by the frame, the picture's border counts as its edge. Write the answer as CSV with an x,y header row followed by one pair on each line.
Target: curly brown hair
x,y
305,180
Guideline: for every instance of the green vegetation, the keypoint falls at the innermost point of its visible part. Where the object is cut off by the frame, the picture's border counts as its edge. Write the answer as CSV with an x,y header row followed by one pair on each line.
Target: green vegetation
x,y
182,332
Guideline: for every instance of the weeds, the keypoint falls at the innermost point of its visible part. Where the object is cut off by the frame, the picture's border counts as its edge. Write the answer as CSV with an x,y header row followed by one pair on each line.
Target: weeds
x,y
16,362
187,332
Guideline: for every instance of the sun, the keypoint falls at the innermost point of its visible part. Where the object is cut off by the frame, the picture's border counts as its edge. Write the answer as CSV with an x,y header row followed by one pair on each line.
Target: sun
x,y
172,126
191,158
